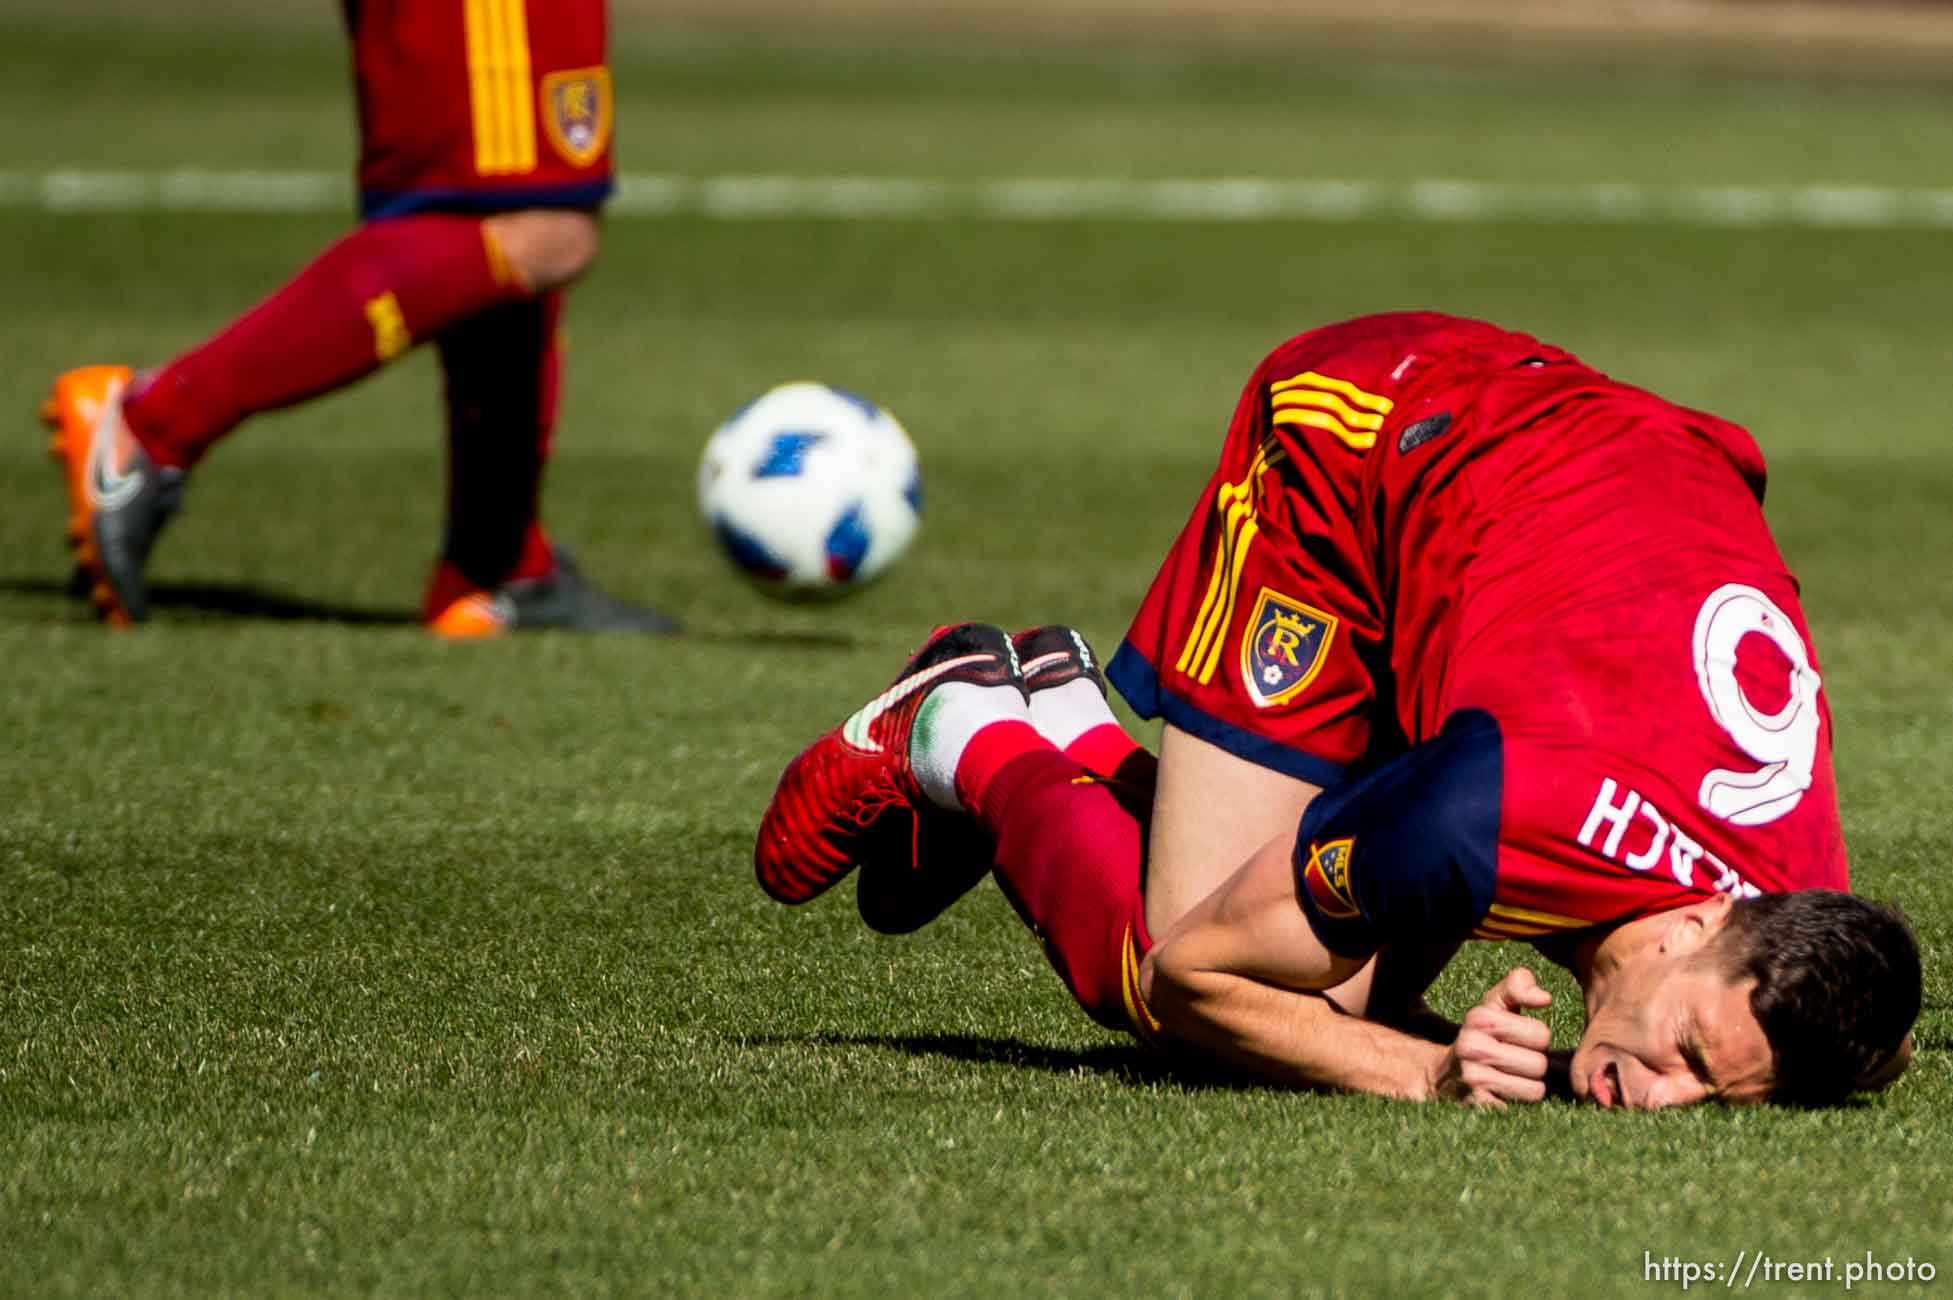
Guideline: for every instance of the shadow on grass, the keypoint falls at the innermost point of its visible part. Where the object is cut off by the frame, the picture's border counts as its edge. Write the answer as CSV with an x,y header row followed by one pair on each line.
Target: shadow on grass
x,y
1123,1061
242,601
789,638
233,600
1129,1064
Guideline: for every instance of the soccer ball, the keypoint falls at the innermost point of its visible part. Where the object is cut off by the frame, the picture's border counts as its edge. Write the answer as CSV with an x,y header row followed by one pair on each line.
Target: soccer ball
x,y
811,491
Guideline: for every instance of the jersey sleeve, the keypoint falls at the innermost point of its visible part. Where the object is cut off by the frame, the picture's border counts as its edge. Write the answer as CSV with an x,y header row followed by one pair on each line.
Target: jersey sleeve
x,y
1407,853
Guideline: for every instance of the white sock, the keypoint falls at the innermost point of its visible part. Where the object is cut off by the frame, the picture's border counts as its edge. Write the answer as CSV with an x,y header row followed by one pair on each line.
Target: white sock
x,y
1064,713
952,714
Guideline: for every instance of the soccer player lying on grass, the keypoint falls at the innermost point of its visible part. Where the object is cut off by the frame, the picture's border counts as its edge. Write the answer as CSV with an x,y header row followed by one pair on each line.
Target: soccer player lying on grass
x,y
1464,640
485,154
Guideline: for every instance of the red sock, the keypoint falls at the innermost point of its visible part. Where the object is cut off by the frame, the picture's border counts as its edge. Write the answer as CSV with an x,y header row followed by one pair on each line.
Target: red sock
x,y
990,751
361,303
450,583
1103,748
1069,858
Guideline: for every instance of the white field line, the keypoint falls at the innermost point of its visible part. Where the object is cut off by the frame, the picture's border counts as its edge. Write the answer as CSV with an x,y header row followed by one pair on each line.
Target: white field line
x,y
752,198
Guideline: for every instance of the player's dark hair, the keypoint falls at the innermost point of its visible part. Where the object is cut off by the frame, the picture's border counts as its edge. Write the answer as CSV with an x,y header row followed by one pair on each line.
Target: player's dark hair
x,y
1837,987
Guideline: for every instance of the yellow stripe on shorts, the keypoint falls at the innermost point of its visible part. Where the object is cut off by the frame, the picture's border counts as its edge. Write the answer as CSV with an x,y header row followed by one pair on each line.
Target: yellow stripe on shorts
x,y
500,87
1235,503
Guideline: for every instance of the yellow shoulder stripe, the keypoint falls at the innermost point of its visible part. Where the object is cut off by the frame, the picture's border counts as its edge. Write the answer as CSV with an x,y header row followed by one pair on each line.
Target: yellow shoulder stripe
x,y
1309,397
1316,401
1342,387
1360,441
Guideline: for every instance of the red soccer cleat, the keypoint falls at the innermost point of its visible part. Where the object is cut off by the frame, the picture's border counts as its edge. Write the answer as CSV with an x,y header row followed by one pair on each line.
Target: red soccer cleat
x,y
912,868
839,802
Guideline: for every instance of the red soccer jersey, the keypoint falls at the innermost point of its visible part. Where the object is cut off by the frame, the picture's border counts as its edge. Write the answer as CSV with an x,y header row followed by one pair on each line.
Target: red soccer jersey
x,y
481,105
1417,515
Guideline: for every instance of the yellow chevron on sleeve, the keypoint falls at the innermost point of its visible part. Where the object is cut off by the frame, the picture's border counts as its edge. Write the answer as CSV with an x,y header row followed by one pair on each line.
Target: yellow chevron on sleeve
x,y
1336,406
1357,440
1310,379
1312,400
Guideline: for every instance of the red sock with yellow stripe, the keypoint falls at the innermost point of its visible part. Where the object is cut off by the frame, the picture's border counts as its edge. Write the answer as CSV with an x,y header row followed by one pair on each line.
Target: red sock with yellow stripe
x,y
1069,855
361,303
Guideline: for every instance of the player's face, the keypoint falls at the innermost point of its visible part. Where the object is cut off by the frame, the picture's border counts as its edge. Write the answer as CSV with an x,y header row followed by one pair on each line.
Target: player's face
x,y
1673,1031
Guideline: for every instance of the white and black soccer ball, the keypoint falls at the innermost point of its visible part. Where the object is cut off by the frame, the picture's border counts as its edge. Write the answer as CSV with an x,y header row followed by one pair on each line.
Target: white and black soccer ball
x,y
811,491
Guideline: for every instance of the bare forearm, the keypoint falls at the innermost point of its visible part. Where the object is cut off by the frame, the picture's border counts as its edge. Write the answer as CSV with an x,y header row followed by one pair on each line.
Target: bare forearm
x,y
1244,978
1295,1039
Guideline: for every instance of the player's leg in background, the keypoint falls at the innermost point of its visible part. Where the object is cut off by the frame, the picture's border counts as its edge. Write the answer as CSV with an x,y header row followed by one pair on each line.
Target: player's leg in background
x,y
530,113
548,248
501,107
363,302
128,440
502,373
497,568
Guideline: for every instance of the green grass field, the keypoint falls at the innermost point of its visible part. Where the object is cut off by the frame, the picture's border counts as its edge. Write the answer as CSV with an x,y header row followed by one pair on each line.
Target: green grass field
x,y
334,959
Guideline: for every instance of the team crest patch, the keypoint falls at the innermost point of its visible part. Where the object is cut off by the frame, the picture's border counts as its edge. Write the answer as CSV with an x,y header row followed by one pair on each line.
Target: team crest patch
x,y
576,113
1326,875
1285,647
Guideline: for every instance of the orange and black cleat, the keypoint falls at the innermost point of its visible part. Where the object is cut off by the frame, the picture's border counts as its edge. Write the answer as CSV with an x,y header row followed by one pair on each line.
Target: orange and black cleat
x,y
562,598
118,499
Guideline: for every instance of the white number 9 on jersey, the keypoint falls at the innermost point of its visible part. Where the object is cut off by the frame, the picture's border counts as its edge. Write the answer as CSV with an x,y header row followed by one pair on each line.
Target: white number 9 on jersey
x,y
1785,742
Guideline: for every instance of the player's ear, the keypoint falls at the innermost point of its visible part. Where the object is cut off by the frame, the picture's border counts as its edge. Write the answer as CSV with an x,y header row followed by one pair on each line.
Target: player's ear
x,y
1882,1075
1691,928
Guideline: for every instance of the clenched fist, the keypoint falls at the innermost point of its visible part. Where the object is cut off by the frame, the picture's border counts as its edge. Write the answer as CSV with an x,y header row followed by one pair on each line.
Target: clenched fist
x,y
1500,1052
